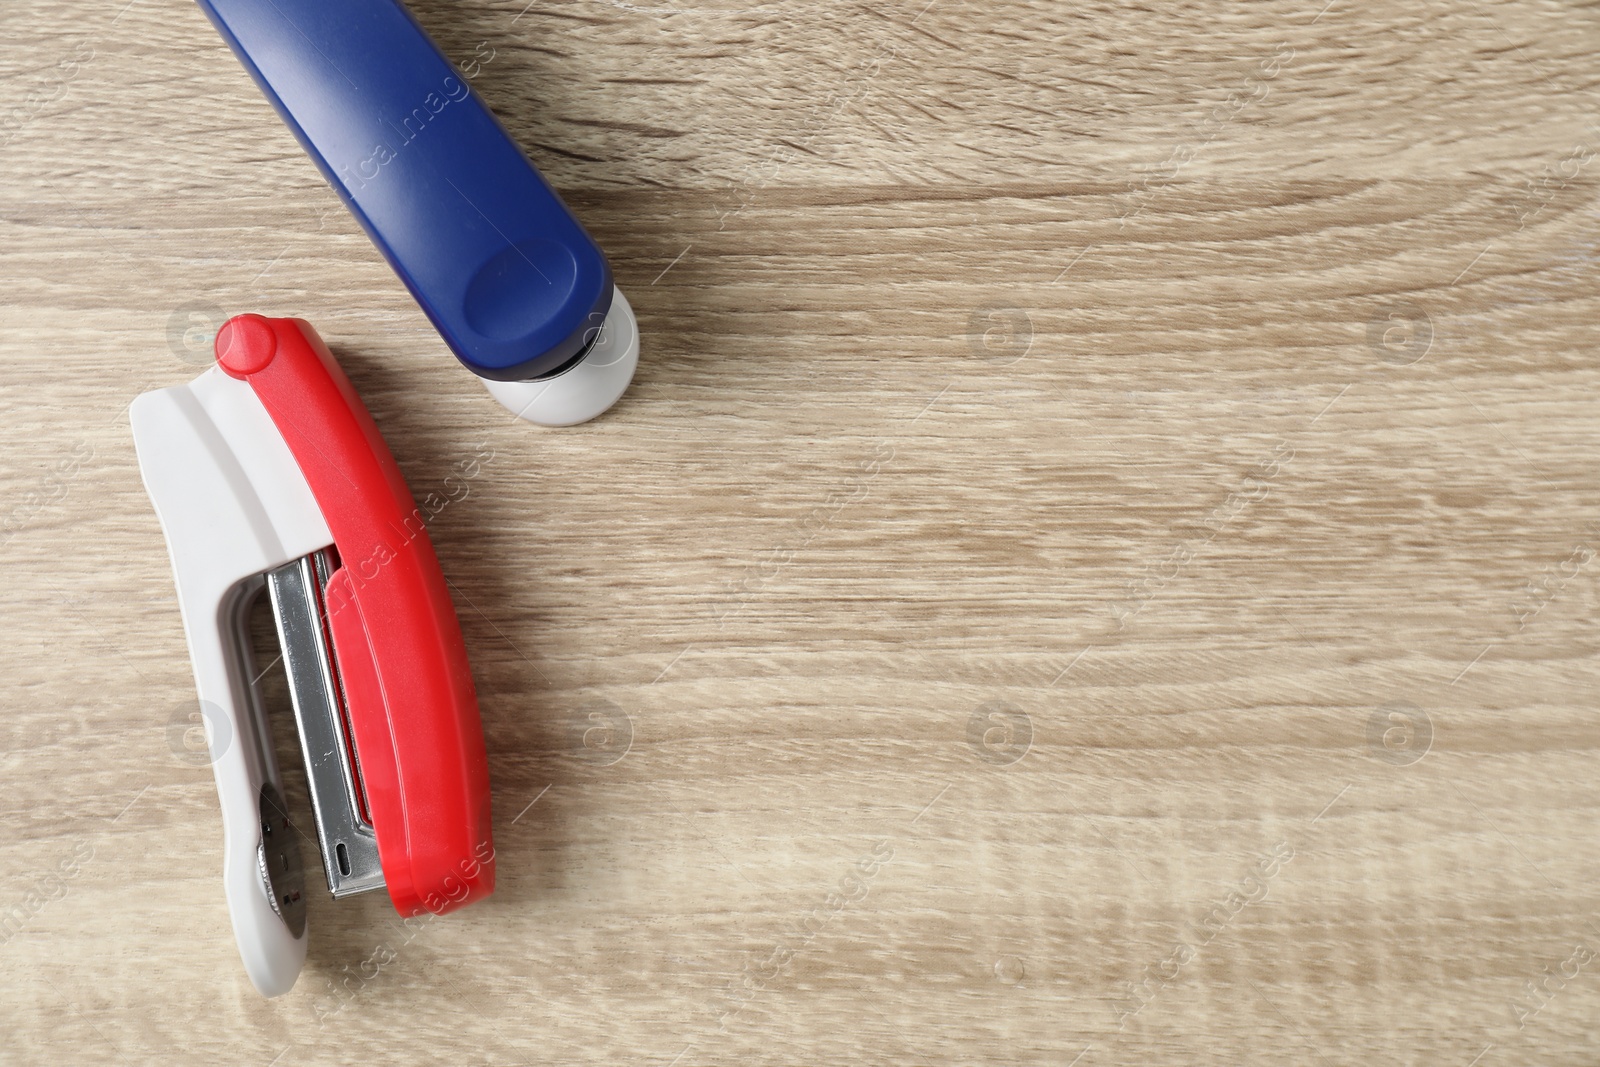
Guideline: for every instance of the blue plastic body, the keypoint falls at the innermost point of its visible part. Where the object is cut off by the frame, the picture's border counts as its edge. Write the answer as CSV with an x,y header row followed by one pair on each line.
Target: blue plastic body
x,y
502,268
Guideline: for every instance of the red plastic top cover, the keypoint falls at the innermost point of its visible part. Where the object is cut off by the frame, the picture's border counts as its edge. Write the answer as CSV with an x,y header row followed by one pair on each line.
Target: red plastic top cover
x,y
413,712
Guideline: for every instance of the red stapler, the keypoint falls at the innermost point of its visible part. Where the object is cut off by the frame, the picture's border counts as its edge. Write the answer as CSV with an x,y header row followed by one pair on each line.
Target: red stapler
x,y
269,475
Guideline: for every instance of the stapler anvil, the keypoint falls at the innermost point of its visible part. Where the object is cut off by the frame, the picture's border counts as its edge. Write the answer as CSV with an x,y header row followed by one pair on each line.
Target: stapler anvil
x,y
269,476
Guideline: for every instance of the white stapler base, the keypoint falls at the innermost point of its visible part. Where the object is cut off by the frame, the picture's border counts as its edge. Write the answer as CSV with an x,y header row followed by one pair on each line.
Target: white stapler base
x,y
233,504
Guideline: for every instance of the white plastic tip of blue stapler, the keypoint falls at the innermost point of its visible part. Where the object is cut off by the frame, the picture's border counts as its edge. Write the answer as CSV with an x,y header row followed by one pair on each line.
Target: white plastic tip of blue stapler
x,y
590,387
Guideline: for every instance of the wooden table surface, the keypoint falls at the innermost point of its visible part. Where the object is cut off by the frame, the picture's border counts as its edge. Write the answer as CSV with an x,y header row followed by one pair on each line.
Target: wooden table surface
x,y
1097,565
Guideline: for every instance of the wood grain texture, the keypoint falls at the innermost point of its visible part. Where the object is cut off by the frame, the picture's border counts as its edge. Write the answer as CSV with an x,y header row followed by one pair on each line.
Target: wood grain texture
x,y
1099,559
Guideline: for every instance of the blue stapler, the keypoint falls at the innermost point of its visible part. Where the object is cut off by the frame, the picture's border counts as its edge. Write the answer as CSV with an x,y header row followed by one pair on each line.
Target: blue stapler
x,y
517,289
